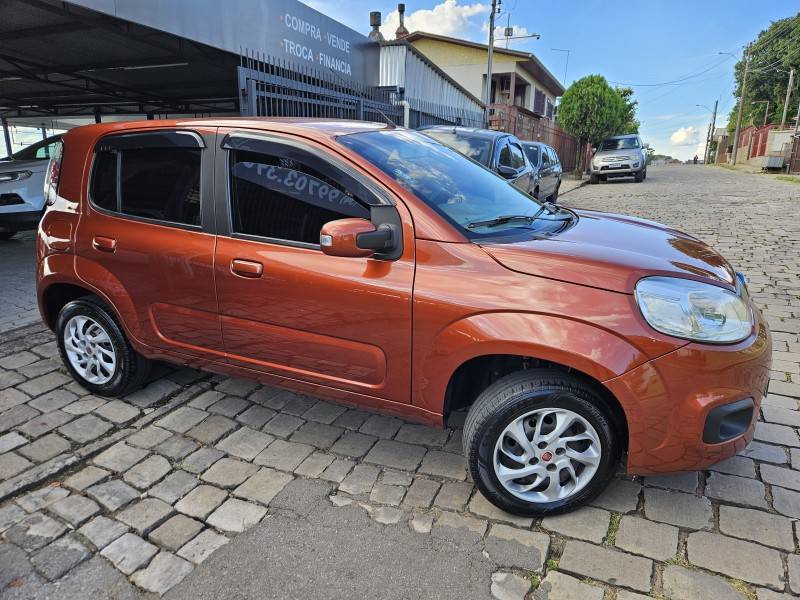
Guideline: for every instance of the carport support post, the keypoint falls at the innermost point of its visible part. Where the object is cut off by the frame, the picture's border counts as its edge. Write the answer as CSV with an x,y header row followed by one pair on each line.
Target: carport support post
x,y
7,136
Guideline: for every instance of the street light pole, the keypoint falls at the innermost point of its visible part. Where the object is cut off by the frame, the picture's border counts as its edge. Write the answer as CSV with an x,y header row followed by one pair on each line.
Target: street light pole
x,y
489,63
741,105
711,127
788,97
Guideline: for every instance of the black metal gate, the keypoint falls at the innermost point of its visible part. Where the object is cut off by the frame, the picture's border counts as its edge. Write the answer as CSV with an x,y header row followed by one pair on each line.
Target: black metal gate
x,y
270,87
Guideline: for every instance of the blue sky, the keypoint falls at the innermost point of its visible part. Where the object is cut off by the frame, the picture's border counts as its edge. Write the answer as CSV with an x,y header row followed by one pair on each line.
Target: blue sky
x,y
647,43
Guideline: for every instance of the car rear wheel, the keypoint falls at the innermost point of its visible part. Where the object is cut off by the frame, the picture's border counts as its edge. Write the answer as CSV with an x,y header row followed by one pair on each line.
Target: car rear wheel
x,y
554,195
540,442
96,351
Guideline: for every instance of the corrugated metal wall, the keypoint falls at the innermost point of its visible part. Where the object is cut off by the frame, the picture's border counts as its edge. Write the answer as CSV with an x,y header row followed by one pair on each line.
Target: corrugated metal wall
x,y
425,89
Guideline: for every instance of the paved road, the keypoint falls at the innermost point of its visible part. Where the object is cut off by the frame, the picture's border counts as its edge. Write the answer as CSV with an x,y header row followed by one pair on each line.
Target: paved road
x,y
204,487
17,284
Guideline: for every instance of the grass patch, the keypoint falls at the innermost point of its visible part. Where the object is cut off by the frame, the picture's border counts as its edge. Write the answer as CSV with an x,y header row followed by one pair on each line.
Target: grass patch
x,y
789,178
551,564
745,589
536,581
613,527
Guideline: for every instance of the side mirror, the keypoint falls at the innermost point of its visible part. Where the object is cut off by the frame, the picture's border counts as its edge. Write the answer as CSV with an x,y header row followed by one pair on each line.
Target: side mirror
x,y
594,149
506,171
354,238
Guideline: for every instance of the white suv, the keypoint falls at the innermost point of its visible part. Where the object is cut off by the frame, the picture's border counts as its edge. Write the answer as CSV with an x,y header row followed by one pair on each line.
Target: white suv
x,y
619,156
22,186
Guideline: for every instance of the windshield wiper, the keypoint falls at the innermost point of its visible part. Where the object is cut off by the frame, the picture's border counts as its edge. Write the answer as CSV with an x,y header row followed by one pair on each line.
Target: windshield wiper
x,y
503,219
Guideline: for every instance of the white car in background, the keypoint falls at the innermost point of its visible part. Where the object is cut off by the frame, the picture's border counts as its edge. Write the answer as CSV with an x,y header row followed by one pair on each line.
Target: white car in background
x,y
22,186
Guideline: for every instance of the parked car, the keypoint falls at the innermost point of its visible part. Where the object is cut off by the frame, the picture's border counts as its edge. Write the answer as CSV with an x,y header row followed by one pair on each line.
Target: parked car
x,y
21,184
619,156
547,171
376,266
499,151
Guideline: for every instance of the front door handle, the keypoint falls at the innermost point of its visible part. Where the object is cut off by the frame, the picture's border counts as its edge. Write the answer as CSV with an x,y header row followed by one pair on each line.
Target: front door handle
x,y
104,244
246,268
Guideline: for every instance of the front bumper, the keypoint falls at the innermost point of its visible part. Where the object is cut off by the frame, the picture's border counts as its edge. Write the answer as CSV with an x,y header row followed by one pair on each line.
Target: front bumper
x,y
626,170
20,220
685,409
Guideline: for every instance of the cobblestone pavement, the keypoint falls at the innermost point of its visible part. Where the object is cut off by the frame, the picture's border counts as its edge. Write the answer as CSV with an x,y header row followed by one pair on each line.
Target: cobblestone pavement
x,y
137,494
17,283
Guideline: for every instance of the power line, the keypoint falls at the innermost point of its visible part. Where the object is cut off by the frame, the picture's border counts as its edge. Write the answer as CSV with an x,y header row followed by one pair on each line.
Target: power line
x,y
674,81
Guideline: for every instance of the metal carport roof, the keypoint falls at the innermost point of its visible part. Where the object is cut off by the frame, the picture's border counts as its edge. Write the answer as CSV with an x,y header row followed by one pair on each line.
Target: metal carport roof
x,y
59,59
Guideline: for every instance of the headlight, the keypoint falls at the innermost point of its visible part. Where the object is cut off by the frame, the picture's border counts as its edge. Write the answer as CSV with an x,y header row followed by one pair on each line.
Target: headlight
x,y
696,311
14,176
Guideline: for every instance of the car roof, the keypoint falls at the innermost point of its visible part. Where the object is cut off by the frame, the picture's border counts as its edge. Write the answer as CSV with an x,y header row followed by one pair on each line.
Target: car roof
x,y
466,131
320,127
622,137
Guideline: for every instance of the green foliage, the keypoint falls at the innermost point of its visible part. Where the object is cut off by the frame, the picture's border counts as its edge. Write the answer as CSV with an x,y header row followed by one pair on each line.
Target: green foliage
x,y
591,110
631,123
775,51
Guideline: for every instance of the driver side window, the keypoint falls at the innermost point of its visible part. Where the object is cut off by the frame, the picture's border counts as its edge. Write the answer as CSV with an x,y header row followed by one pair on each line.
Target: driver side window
x,y
285,199
504,158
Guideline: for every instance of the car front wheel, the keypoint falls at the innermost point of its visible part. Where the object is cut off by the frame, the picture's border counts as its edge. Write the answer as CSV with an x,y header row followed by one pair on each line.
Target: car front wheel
x,y
540,442
96,351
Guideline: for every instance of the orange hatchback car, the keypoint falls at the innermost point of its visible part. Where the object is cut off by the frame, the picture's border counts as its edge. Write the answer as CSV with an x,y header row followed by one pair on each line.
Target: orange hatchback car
x,y
376,267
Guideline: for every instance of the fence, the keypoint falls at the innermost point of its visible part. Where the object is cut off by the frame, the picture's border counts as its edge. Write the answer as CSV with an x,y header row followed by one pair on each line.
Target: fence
x,y
753,142
529,127
271,87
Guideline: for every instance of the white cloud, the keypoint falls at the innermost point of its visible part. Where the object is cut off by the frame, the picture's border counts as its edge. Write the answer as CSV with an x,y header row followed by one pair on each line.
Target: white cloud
x,y
447,18
500,33
685,136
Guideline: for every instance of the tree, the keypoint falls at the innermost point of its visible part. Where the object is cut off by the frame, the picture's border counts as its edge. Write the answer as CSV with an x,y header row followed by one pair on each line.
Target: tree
x,y
774,53
591,110
631,123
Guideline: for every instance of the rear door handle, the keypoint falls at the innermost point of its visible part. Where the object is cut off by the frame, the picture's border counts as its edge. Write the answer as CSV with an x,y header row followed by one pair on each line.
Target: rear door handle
x,y
104,244
246,268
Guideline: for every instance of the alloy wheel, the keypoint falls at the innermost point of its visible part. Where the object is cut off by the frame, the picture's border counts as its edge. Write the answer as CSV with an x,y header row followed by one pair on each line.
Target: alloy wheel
x,y
547,455
89,350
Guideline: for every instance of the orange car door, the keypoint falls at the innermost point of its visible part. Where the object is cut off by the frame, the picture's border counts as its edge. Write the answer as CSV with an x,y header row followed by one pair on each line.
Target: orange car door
x,y
288,309
146,239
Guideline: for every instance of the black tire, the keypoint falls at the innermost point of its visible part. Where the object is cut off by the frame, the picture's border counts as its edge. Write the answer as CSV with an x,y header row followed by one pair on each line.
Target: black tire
x,y
7,235
639,176
644,174
131,369
594,178
511,397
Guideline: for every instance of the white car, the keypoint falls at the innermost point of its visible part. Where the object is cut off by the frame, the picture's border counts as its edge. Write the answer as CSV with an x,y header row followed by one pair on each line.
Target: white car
x,y
22,186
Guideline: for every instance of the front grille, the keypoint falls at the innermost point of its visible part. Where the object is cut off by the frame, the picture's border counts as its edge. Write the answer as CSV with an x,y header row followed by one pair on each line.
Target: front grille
x,y
10,199
614,158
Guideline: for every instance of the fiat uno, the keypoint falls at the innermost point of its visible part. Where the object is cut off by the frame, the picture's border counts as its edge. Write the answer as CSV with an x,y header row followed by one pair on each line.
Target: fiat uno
x,y
376,267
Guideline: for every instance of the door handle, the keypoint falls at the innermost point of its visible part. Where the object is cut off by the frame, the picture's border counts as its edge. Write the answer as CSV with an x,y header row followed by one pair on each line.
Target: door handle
x,y
104,244
246,268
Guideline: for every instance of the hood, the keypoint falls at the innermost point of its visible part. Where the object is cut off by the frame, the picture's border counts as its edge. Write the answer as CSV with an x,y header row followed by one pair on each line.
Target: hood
x,y
35,166
613,252
634,153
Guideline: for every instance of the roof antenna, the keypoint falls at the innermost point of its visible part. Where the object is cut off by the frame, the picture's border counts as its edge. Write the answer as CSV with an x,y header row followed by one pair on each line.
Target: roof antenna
x,y
392,124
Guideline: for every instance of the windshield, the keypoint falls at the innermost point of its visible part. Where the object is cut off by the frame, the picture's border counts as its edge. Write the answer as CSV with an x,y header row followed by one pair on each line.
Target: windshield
x,y
38,151
532,152
476,148
620,144
461,190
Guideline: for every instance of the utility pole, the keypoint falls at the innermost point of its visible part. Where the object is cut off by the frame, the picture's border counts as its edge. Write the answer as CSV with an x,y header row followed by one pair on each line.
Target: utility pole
x,y
788,97
711,127
489,63
747,59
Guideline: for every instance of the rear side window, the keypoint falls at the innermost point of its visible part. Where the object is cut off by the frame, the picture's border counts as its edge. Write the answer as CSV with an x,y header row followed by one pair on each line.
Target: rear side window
x,y
104,180
284,199
158,183
161,184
